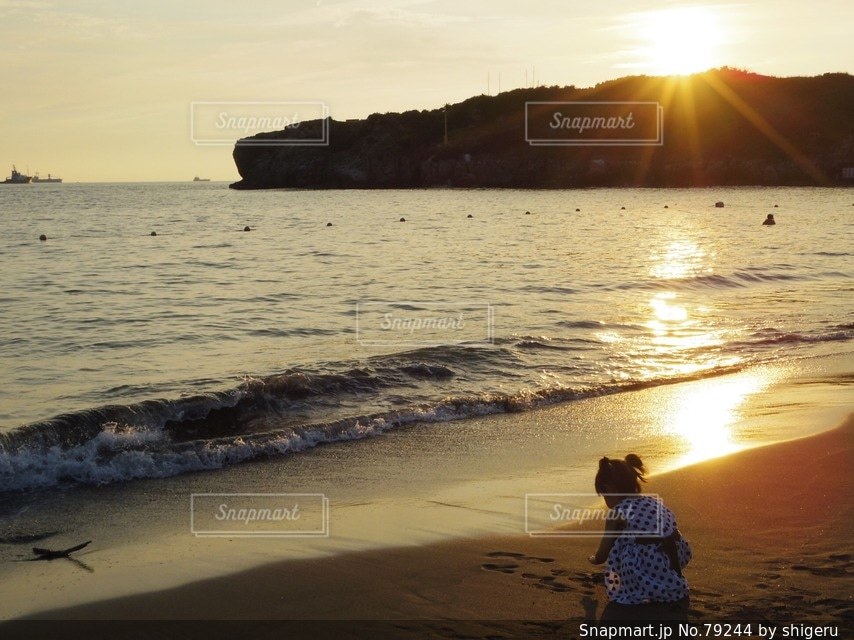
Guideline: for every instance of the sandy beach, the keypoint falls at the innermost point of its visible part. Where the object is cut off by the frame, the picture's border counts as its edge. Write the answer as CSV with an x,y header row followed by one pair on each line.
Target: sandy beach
x,y
770,527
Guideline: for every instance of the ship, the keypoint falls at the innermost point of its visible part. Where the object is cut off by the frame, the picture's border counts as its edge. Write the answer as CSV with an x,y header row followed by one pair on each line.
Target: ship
x,y
198,179
17,178
49,178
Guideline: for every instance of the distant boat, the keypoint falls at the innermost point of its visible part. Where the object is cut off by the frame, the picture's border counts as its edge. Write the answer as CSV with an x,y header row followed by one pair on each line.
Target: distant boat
x,y
198,179
17,178
49,178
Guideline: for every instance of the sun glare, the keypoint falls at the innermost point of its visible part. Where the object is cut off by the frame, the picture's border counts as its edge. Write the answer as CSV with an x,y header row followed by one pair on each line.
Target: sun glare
x,y
705,414
681,40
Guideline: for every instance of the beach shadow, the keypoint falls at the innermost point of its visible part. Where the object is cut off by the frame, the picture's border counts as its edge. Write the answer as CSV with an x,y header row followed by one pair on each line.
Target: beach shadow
x,y
658,611
82,565
590,606
674,612
24,538
75,561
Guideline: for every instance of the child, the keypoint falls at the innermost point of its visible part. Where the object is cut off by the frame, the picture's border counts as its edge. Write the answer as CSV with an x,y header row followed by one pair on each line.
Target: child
x,y
643,548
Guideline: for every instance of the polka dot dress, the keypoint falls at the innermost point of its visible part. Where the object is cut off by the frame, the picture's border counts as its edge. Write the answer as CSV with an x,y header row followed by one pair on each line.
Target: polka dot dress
x,y
638,573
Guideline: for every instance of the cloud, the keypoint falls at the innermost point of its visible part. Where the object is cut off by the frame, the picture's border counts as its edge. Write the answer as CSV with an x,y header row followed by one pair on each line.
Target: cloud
x,y
395,17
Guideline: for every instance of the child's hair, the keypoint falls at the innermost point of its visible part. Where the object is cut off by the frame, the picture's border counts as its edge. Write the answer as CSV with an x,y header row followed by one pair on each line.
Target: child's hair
x,y
621,476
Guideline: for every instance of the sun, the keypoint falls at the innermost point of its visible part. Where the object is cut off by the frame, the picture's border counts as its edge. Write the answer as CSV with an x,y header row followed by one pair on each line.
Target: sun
x,y
681,40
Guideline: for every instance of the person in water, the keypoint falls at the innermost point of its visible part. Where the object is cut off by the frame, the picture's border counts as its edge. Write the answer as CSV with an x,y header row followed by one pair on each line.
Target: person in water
x,y
644,550
769,219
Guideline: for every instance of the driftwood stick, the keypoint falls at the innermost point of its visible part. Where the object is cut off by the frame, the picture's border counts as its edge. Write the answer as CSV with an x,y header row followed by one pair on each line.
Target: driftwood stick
x,y
49,554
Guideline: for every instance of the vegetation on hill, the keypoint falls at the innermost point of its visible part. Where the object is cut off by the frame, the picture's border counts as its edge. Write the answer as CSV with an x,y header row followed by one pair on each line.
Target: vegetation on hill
x,y
721,127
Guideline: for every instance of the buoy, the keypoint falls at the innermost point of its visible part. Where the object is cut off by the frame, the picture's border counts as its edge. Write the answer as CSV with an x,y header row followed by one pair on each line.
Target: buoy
x,y
622,208
469,216
578,209
328,224
153,233
247,228
776,205
666,207
403,220
527,213
42,237
719,204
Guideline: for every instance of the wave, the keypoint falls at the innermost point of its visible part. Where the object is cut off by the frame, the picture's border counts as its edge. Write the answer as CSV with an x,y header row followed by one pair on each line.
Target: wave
x,y
595,324
735,280
552,289
299,408
772,336
145,446
542,343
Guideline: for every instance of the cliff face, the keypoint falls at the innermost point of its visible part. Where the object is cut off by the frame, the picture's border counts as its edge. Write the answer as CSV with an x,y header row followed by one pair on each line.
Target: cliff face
x,y
722,127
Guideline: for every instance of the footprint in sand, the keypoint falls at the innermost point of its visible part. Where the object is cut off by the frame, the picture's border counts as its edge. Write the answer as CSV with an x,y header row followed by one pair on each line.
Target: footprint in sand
x,y
549,582
806,592
586,577
823,571
516,556
504,554
503,568
835,602
834,565
555,588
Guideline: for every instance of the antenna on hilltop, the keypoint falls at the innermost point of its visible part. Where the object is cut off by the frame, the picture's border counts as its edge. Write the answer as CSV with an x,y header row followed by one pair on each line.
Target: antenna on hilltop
x,y
446,123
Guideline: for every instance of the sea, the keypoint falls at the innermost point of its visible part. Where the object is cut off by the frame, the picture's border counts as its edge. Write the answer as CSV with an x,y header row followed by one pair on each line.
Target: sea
x,y
168,328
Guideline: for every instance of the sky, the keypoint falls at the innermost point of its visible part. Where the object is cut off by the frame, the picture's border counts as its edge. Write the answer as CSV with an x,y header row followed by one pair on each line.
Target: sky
x,y
129,90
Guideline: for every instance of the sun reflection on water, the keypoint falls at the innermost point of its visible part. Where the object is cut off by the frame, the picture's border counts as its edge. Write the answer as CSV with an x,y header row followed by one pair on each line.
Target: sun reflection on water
x,y
681,340
666,312
680,259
